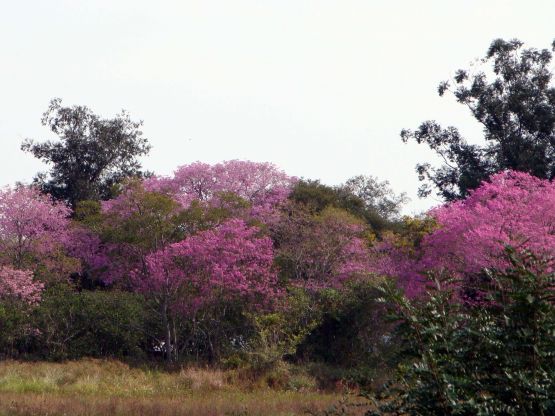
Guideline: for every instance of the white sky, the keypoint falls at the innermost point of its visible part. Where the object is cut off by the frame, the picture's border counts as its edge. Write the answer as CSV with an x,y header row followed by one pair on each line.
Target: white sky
x,y
321,88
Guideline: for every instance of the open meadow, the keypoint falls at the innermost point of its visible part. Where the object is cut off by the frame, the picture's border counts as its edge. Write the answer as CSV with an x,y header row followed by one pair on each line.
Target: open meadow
x,y
97,387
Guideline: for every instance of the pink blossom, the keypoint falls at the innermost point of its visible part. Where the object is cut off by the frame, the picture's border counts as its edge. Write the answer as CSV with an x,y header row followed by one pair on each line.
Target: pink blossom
x,y
231,260
512,208
19,284
31,224
263,185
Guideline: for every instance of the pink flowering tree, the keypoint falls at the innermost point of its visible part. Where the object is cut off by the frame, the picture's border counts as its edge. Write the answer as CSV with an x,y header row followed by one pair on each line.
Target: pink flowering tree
x,y
19,284
138,223
512,208
231,262
113,237
262,185
34,231
19,294
202,196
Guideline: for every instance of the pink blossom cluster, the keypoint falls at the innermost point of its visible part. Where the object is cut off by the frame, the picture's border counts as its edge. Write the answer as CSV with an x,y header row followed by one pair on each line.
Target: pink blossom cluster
x,y
230,260
31,223
512,208
19,284
263,185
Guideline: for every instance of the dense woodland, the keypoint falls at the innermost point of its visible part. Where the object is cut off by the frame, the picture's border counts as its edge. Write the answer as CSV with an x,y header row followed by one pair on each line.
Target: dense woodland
x,y
239,265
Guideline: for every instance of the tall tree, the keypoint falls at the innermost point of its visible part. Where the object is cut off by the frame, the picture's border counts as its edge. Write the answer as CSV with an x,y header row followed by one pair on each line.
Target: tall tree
x,y
262,185
512,97
377,195
363,196
92,154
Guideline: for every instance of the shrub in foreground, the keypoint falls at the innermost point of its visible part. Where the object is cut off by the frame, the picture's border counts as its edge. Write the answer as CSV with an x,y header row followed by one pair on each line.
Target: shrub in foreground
x,y
89,324
495,358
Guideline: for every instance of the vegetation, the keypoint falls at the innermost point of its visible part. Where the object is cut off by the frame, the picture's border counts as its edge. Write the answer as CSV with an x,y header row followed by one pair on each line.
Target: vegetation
x,y
95,387
222,282
513,98
93,154
494,358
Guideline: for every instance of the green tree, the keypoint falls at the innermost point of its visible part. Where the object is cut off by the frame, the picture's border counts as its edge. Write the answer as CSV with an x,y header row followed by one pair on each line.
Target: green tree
x,y
511,95
362,196
92,154
90,324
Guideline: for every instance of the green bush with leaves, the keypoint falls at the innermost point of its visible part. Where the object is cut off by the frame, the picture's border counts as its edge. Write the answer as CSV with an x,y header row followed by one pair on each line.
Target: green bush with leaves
x,y
89,324
462,358
277,334
15,327
351,331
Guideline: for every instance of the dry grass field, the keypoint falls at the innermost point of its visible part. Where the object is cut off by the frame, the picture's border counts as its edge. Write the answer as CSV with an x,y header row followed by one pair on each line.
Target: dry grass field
x,y
96,387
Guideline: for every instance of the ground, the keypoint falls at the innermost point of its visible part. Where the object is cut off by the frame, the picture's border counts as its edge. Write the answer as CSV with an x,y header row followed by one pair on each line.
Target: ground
x,y
98,387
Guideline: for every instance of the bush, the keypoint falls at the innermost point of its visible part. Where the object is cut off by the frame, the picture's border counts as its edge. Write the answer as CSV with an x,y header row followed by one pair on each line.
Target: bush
x,y
492,358
352,331
89,323
15,327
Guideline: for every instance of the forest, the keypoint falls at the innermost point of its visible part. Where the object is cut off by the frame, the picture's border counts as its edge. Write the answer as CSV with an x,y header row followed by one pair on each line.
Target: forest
x,y
238,274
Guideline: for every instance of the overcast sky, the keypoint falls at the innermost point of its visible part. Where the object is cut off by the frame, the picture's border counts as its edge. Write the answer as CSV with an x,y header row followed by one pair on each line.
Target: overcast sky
x,y
320,88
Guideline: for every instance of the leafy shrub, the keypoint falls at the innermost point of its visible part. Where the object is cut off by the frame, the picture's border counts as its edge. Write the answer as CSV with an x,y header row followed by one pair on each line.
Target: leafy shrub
x,y
352,331
89,323
14,327
492,358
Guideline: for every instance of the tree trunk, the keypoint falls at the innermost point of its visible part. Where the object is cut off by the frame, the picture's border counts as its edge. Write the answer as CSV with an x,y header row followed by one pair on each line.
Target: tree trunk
x,y
166,322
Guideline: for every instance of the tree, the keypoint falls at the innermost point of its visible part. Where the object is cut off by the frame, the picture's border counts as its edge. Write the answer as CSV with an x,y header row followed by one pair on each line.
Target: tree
x,y
19,284
229,262
514,101
34,230
92,154
495,358
126,229
19,295
362,196
512,208
143,234
322,250
376,195
116,237
262,185
75,324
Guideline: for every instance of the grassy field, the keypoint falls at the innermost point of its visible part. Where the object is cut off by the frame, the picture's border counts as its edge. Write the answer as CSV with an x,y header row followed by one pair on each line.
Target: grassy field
x,y
96,387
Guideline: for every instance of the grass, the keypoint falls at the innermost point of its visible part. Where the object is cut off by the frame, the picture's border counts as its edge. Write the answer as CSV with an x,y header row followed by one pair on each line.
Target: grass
x,y
98,387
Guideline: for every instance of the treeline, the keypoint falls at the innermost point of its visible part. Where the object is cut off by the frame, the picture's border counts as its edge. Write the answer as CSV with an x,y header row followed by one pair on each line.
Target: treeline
x,y
235,263
238,264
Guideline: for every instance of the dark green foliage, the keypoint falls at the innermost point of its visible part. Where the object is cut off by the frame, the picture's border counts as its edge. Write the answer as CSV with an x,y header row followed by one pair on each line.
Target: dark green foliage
x,y
92,155
492,358
352,333
89,324
377,209
214,333
515,104
318,196
14,327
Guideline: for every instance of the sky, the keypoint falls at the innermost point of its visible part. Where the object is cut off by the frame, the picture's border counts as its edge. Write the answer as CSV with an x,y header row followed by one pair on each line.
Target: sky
x,y
320,88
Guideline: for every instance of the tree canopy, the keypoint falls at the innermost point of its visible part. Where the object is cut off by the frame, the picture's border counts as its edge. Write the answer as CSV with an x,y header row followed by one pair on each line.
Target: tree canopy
x,y
92,154
512,96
